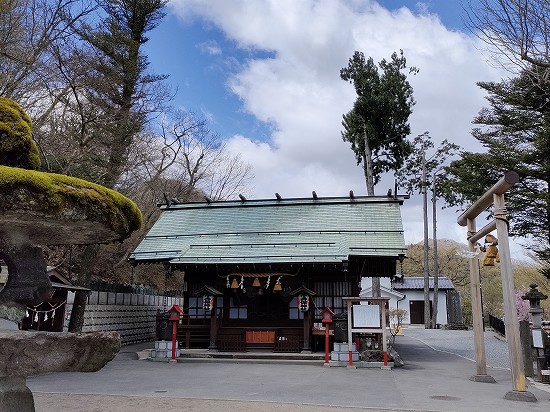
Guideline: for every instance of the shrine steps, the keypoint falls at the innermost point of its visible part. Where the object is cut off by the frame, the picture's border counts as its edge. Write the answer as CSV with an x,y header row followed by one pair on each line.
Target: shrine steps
x,y
250,356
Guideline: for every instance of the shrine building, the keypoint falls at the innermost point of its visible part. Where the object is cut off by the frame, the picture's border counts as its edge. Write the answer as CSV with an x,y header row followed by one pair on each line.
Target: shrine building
x,y
258,273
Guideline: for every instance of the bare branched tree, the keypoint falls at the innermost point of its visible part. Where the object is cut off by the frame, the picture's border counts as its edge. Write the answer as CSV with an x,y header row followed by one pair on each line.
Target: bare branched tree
x,y
185,160
518,30
29,29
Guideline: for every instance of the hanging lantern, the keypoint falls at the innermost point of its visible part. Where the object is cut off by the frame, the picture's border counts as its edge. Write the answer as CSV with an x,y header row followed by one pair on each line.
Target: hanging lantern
x,y
303,303
234,284
207,302
277,288
256,283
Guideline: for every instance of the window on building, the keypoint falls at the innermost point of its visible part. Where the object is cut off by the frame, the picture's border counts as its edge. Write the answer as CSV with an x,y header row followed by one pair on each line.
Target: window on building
x,y
329,294
293,311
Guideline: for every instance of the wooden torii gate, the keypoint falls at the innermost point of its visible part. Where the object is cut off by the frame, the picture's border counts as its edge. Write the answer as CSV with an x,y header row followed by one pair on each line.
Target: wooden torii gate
x,y
495,196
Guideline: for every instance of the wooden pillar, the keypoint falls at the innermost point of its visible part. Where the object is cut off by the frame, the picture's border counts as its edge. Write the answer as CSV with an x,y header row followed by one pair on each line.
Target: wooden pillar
x,y
307,330
477,312
510,312
213,326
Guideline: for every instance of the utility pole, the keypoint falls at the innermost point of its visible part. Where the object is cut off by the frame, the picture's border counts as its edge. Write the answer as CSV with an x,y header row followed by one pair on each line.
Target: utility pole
x,y
427,311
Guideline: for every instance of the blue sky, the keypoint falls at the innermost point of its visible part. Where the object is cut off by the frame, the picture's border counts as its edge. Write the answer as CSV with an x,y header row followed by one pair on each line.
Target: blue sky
x,y
198,57
265,73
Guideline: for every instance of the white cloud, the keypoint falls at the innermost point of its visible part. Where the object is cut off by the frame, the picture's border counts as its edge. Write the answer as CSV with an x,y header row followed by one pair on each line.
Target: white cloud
x,y
299,91
210,47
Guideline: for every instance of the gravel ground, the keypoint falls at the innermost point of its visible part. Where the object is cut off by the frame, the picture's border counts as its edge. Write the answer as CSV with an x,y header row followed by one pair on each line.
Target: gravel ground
x,y
461,342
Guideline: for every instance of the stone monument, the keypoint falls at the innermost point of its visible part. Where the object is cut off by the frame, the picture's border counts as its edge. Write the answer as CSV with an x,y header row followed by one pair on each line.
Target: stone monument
x,y
38,208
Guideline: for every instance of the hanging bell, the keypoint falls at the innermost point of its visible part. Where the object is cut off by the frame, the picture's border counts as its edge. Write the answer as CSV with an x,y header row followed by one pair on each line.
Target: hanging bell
x,y
256,283
487,261
492,251
234,284
491,255
277,287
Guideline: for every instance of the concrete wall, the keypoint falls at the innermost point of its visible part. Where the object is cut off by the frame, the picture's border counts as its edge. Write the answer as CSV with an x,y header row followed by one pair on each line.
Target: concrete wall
x,y
132,315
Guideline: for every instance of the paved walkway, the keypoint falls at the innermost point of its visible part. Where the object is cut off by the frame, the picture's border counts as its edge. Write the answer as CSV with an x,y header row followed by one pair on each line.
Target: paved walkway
x,y
432,379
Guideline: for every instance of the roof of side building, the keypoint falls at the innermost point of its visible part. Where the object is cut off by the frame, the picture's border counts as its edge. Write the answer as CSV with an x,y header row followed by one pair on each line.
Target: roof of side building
x,y
417,282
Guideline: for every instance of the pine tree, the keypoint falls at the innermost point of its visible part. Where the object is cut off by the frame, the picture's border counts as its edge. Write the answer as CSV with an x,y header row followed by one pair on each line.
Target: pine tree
x,y
515,130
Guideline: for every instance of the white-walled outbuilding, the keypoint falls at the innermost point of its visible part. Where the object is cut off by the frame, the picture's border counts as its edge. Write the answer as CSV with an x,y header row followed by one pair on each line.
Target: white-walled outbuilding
x,y
408,293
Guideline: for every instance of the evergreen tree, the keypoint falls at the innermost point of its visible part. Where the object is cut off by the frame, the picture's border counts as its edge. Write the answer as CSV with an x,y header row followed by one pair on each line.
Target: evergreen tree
x,y
515,130
119,88
377,126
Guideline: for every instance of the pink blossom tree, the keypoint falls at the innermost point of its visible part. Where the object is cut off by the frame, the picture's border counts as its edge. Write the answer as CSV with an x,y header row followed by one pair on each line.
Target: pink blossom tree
x,y
522,306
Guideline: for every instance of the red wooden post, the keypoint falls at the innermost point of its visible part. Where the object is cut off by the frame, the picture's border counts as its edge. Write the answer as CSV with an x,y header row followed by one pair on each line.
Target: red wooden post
x,y
175,315
174,334
326,318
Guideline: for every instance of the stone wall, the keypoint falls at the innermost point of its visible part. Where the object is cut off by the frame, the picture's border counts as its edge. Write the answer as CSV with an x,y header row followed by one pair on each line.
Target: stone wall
x,y
130,314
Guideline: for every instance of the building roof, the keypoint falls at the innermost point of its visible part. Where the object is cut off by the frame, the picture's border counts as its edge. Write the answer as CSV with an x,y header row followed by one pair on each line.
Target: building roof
x,y
314,230
384,291
417,282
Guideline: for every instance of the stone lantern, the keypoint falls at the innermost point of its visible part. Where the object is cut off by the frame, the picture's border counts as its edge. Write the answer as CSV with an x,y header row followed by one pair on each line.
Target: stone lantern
x,y
534,296
39,208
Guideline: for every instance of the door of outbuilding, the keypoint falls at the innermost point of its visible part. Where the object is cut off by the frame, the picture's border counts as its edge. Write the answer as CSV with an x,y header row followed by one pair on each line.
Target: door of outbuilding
x,y
416,309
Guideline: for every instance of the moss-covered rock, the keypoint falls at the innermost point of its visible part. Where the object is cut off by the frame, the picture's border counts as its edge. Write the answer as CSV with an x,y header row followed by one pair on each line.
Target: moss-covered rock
x,y
17,147
56,209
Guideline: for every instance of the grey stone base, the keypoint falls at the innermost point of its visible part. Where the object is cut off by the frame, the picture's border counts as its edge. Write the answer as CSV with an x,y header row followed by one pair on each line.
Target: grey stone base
x,y
361,364
483,378
520,396
14,395
163,349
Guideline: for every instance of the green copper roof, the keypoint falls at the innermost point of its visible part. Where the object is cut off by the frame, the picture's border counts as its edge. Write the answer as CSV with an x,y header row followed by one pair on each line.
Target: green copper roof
x,y
275,231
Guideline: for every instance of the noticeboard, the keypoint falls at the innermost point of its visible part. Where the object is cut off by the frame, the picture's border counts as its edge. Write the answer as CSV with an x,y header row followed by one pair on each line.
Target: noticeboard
x,y
537,338
366,316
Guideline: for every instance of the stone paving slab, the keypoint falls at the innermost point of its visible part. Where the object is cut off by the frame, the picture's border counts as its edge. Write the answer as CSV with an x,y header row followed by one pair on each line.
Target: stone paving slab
x,y
431,380
111,403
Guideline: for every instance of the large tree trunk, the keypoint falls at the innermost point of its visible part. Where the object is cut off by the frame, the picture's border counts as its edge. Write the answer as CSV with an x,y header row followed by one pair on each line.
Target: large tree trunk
x,y
88,258
369,180
367,166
